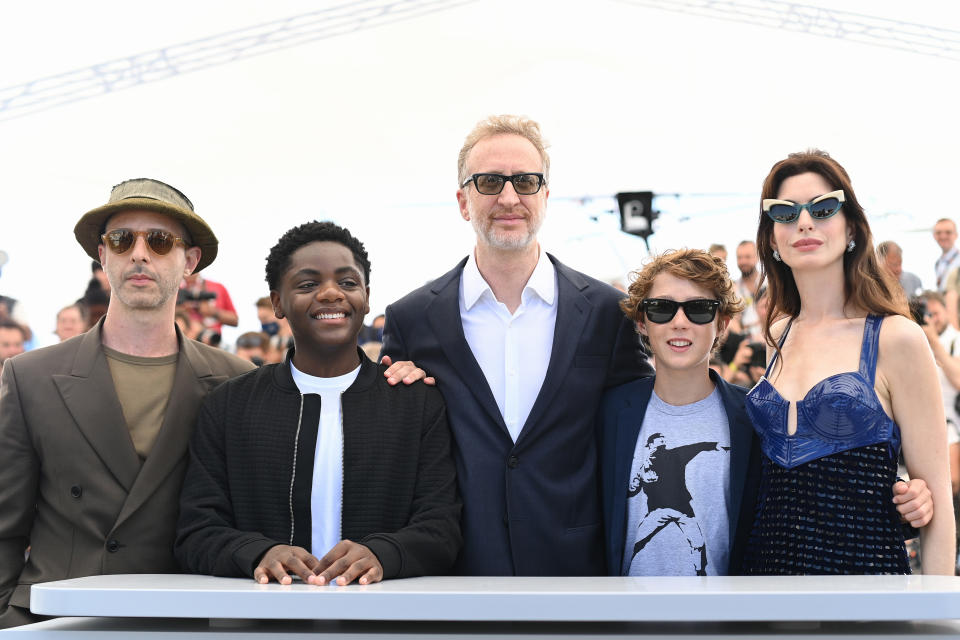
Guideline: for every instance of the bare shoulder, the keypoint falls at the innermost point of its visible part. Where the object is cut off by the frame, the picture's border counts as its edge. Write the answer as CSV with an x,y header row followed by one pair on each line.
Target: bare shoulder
x,y
902,337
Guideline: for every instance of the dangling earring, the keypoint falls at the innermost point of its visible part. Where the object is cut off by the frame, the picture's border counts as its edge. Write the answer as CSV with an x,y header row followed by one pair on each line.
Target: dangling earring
x,y
776,256
851,245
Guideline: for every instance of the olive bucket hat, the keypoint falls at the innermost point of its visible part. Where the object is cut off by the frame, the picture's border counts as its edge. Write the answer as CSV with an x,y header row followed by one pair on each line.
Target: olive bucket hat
x,y
149,195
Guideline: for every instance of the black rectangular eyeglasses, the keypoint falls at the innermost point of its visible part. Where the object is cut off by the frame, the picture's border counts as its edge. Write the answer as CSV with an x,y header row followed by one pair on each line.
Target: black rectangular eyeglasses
x,y
491,184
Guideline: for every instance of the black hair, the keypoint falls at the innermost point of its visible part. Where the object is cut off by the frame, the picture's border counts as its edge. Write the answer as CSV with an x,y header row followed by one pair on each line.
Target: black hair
x,y
279,259
6,323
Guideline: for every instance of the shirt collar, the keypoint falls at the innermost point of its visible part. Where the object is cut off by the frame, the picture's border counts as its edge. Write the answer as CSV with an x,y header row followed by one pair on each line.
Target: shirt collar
x,y
542,282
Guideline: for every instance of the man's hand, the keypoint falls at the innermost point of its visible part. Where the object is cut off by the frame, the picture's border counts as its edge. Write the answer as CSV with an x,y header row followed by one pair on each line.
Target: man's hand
x,y
207,309
743,355
282,560
914,502
348,561
406,371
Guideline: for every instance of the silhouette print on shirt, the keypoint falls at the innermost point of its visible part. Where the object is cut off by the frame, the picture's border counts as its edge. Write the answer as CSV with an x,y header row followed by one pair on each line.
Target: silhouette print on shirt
x,y
662,479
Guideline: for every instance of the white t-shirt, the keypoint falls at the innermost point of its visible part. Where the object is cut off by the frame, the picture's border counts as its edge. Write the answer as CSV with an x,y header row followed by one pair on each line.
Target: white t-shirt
x,y
326,497
946,263
678,496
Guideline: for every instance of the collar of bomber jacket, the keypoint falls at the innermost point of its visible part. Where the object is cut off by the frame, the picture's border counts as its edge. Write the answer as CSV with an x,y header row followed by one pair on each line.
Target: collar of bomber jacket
x,y
283,377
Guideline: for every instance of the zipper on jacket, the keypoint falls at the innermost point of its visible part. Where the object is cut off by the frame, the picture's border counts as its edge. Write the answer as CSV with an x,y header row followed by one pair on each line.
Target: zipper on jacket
x,y
343,443
293,474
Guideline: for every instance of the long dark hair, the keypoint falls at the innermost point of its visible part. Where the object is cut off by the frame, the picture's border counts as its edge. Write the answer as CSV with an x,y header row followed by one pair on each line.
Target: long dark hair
x,y
866,285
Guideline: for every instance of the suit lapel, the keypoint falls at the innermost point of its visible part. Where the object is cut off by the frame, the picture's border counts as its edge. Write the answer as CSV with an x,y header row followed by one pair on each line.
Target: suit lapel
x,y
90,397
192,380
741,438
573,313
629,421
443,313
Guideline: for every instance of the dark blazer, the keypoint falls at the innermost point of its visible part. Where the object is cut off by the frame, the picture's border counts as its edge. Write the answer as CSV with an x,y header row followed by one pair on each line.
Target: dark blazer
x,y
530,507
621,416
250,476
71,484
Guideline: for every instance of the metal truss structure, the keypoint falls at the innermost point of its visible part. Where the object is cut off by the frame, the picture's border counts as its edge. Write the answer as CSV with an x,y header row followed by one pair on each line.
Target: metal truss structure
x,y
821,21
122,73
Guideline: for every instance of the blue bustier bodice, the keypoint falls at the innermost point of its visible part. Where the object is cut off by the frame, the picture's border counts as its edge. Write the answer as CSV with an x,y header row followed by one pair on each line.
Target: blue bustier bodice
x,y
824,503
839,413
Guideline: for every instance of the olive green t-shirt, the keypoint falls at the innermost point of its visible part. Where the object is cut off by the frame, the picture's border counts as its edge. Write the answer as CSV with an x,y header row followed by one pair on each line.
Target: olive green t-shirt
x,y
143,386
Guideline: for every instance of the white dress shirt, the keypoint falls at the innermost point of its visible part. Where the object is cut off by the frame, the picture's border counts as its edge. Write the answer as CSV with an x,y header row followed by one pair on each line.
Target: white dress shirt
x,y
512,350
944,265
326,495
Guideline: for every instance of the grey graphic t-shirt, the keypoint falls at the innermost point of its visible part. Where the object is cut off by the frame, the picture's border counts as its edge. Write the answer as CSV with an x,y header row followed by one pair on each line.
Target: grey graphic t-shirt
x,y
678,495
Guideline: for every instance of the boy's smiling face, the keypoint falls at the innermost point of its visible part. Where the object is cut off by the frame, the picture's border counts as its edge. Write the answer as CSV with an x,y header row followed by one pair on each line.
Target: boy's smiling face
x,y
323,296
680,344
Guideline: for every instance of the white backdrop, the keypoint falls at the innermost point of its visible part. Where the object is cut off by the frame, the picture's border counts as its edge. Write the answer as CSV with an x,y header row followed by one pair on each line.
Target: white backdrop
x,y
364,127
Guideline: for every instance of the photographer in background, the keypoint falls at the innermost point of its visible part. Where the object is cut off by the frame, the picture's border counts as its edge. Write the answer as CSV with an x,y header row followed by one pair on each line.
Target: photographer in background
x,y
252,346
748,363
193,324
944,340
208,303
745,354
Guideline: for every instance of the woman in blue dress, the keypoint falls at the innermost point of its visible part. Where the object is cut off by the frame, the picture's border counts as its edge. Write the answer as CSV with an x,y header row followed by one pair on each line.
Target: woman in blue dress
x,y
851,381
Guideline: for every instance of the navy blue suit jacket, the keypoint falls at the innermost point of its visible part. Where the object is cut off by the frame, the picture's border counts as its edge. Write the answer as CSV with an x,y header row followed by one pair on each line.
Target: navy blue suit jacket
x,y
621,415
530,507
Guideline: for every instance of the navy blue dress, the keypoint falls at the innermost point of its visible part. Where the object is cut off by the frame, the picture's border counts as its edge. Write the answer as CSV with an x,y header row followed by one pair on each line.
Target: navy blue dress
x,y
825,502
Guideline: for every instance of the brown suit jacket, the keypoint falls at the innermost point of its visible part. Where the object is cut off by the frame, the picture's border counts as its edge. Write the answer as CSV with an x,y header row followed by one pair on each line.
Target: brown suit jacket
x,y
71,484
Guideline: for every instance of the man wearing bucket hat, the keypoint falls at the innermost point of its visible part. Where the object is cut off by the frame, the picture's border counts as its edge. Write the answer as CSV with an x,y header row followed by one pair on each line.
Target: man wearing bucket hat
x,y
94,430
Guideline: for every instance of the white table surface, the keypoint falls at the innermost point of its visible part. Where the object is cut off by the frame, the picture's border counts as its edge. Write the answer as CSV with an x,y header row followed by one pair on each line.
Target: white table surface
x,y
193,629
513,599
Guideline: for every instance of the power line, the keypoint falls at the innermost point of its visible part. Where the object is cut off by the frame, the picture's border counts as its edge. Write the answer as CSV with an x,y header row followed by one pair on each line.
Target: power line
x,y
821,21
122,73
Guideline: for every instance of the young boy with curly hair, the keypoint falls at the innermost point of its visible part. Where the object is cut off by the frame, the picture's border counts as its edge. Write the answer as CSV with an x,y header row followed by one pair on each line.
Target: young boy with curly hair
x,y
679,460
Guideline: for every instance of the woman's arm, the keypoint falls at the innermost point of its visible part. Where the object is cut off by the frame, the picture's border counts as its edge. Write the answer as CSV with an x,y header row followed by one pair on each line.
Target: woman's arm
x,y
908,383
954,450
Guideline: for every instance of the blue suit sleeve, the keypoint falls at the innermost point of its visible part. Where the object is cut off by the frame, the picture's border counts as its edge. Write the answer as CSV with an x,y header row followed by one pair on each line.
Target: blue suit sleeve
x,y
629,360
393,344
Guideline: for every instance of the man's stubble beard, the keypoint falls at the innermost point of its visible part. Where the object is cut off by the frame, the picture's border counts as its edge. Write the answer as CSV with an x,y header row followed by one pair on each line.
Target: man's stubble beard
x,y
134,299
506,240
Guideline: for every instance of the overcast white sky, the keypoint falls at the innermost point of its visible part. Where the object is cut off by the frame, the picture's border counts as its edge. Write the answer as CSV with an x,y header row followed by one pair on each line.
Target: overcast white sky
x,y
364,127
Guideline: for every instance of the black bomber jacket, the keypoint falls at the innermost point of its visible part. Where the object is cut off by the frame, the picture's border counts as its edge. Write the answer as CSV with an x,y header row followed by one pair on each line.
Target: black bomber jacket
x,y
249,479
